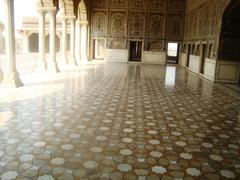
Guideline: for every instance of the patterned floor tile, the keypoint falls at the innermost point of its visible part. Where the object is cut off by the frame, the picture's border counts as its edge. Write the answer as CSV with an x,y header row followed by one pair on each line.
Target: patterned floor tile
x,y
119,121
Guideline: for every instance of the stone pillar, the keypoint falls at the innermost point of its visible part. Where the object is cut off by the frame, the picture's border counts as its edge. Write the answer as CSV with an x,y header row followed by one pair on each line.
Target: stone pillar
x,y
64,41
11,76
78,42
1,43
72,58
42,64
84,34
52,63
25,43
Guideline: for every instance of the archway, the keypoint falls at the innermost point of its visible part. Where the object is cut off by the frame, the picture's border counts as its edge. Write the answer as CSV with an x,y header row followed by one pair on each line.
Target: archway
x,y
229,42
82,17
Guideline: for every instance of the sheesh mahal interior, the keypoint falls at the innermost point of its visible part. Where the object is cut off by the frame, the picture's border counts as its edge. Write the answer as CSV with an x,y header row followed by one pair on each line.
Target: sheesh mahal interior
x,y
120,89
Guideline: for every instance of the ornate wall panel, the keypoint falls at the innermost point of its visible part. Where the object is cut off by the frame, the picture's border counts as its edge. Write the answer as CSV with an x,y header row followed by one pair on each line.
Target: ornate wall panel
x,y
99,3
137,24
119,3
117,43
154,46
203,21
160,5
174,29
140,4
118,23
122,20
177,5
156,25
99,23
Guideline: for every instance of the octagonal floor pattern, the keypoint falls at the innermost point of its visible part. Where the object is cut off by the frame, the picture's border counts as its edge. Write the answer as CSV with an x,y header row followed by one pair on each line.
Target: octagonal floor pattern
x,y
119,121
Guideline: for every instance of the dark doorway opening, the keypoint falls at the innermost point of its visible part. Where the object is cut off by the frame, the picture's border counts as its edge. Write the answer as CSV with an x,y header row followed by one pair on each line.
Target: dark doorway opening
x,y
135,51
172,53
203,57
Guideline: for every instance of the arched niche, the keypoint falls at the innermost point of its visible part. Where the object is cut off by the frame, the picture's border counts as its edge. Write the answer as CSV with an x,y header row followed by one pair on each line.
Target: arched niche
x,y
229,41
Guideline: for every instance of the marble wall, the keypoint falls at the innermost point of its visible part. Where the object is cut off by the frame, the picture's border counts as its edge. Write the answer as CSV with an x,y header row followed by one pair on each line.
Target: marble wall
x,y
203,22
155,22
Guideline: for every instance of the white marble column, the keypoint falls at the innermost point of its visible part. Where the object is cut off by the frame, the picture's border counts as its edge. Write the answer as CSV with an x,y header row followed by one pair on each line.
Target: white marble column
x,y
84,34
64,41
1,42
52,63
11,76
78,42
72,58
42,64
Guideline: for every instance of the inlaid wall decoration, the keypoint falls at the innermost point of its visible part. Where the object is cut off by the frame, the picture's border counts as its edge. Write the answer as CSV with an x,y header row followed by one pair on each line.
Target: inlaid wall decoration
x,y
157,46
203,20
99,3
174,29
156,25
117,43
177,5
137,24
99,23
145,20
160,5
118,23
138,4
119,3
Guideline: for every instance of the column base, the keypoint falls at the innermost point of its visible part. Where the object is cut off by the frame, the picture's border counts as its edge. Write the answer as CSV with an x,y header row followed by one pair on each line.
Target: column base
x,y
1,75
64,61
53,68
11,80
84,59
72,61
41,67
78,59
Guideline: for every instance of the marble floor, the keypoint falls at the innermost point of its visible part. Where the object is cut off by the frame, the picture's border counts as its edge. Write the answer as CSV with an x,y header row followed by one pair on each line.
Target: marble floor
x,y
119,121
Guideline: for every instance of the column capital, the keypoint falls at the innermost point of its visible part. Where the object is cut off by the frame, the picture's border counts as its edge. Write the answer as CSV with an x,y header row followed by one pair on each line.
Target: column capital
x,y
83,22
41,11
52,11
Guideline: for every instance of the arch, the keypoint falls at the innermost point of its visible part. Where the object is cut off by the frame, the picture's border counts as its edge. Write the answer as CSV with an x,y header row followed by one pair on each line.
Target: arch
x,y
44,3
82,11
229,41
210,50
62,8
33,42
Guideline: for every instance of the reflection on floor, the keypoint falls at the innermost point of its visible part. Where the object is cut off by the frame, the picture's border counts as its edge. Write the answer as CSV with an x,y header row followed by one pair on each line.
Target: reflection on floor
x,y
119,121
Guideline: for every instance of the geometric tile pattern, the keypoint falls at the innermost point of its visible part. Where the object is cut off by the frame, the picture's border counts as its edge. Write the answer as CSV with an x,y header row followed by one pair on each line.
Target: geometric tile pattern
x,y
119,121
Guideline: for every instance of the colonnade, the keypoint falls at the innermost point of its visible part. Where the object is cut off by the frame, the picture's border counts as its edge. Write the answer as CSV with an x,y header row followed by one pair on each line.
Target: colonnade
x,y
78,43
78,40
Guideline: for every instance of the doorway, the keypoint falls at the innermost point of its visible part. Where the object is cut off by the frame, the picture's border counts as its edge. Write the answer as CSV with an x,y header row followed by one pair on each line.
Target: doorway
x,y
203,57
172,53
99,49
135,51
